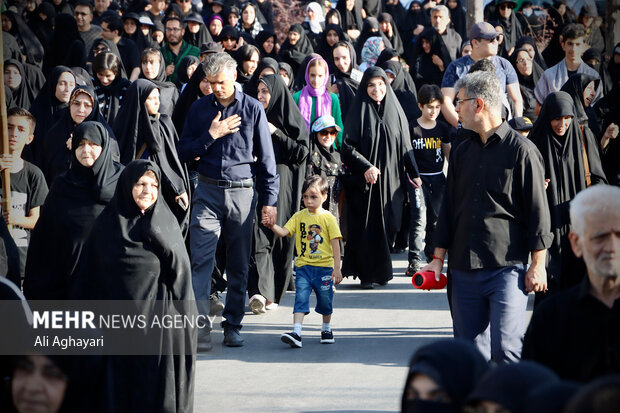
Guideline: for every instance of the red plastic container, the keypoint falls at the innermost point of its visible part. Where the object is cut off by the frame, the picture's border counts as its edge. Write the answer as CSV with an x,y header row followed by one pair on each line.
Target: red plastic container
x,y
426,281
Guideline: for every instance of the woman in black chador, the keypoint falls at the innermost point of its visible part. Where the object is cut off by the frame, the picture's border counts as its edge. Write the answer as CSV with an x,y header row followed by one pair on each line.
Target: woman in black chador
x,y
144,133
270,271
345,71
136,251
296,47
56,155
74,202
377,150
558,137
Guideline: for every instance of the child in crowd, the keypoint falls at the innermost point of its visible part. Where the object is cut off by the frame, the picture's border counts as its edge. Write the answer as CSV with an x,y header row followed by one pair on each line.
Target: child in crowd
x,y
314,100
318,258
28,186
430,139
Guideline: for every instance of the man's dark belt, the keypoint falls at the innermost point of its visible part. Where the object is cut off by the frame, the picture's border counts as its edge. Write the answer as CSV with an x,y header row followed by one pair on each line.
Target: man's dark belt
x,y
222,183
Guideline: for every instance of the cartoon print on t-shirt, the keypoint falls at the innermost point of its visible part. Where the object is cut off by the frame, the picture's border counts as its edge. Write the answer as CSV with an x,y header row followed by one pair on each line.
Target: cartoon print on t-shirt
x,y
315,238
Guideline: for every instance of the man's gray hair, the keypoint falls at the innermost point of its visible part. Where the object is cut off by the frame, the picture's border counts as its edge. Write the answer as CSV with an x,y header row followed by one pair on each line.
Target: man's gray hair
x,y
441,8
217,63
593,201
483,85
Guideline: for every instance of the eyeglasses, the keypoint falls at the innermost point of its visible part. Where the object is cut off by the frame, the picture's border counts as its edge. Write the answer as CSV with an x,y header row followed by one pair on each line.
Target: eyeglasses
x,y
332,132
505,6
460,101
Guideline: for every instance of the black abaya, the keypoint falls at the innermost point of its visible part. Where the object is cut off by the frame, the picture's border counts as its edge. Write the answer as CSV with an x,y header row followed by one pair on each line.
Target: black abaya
x,y
406,94
271,269
347,86
24,94
564,167
74,202
375,135
141,256
190,94
153,137
294,55
66,45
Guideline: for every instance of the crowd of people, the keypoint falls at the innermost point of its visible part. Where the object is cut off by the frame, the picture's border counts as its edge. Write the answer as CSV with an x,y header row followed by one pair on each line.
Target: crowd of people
x,y
276,155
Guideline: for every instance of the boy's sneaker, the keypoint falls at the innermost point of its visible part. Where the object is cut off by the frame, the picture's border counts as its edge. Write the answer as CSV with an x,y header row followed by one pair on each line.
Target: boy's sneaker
x,y
292,339
257,304
413,267
327,337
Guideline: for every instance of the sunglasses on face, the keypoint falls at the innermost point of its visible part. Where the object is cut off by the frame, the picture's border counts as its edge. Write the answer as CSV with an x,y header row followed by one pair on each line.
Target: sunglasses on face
x,y
332,132
505,6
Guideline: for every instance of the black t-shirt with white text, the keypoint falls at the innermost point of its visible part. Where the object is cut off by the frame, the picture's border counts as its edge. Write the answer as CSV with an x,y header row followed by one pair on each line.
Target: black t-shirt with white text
x,y
427,146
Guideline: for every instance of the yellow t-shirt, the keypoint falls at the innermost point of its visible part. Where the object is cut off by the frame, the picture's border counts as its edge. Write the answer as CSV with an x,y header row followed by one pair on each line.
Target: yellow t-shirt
x,y
314,236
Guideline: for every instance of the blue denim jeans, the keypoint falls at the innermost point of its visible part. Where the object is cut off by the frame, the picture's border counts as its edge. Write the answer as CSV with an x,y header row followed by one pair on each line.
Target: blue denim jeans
x,y
488,308
319,279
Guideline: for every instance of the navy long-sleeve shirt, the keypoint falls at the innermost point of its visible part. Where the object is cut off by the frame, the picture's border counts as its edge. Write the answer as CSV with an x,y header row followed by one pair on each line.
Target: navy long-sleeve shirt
x,y
241,155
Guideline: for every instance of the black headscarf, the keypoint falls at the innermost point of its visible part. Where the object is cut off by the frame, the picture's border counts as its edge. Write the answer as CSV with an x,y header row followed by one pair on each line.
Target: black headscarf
x,y
190,94
606,80
373,7
553,53
351,19
74,202
551,397
291,75
135,128
66,46
347,86
197,39
138,37
111,48
406,93
56,158
455,365
323,48
46,109
509,384
423,68
512,31
397,43
413,19
370,29
27,91
43,29
294,55
376,134
564,167
457,17
111,96
527,84
537,56
186,62
168,92
28,41
575,86
250,87
261,38
240,55
141,256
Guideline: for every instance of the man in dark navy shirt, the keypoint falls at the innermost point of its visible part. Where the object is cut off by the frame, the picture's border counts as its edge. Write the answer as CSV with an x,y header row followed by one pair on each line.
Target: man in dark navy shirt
x,y
494,215
228,133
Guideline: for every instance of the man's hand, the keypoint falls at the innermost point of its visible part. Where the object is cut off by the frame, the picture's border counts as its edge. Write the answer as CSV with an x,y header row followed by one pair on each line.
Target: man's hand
x,y
12,217
372,174
536,275
336,276
269,215
169,69
435,266
185,200
220,128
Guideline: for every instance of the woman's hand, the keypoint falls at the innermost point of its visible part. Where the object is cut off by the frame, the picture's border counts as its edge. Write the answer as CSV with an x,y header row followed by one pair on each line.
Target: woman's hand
x,y
372,174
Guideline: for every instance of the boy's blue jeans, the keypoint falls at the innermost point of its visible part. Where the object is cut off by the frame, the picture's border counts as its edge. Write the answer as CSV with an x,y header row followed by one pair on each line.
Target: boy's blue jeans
x,y
319,279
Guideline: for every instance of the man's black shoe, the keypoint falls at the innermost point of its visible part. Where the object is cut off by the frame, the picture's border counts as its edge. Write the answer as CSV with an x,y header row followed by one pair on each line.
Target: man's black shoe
x,y
232,337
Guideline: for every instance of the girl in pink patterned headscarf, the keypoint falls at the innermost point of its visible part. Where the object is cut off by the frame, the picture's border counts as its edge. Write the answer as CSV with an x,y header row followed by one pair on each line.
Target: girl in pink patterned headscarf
x,y
314,100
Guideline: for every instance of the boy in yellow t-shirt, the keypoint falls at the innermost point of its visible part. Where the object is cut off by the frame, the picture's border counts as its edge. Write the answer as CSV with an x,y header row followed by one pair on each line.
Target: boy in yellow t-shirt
x,y
318,259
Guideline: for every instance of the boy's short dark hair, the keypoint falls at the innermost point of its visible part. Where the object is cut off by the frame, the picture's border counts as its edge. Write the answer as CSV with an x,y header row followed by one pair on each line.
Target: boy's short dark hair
x,y
21,112
107,61
150,51
318,182
573,31
85,3
115,23
173,18
483,65
429,93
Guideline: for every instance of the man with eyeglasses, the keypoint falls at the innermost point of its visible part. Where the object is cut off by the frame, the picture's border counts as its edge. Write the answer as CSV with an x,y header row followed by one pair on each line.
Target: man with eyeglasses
x,y
484,44
175,48
493,218
83,14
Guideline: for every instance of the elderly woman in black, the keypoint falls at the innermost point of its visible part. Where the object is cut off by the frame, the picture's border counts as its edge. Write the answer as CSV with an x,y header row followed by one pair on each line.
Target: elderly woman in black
x,y
270,271
136,252
377,150
74,202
